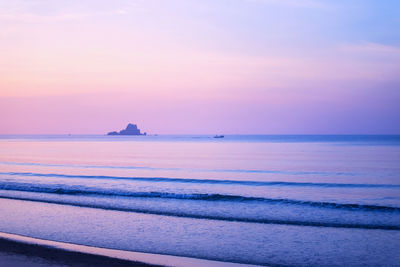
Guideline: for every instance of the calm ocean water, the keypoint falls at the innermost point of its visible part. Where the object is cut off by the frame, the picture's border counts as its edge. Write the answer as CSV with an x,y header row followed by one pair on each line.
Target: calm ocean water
x,y
270,200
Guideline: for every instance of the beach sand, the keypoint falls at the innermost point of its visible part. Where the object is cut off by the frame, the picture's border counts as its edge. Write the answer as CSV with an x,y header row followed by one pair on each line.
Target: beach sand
x,y
21,251
14,253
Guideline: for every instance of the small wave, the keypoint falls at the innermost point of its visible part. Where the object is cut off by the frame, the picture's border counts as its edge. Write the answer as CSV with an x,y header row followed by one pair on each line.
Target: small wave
x,y
214,217
177,169
203,181
81,190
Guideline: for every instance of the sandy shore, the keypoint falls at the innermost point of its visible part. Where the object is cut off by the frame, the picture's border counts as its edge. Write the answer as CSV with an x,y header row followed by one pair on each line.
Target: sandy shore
x,y
15,253
21,251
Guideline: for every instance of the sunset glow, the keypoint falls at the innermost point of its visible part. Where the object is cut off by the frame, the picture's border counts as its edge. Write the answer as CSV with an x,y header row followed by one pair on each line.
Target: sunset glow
x,y
197,67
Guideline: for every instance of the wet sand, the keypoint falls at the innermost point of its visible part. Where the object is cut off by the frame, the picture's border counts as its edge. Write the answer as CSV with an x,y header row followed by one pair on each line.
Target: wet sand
x,y
21,251
14,253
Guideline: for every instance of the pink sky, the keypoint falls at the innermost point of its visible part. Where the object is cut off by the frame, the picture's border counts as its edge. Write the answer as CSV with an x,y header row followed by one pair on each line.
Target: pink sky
x,y
198,67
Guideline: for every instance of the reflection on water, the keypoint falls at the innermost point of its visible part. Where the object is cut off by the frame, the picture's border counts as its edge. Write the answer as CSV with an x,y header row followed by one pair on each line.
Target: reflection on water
x,y
251,199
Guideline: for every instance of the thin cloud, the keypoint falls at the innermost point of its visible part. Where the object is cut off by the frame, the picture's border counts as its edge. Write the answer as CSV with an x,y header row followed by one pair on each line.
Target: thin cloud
x,y
372,48
292,3
33,11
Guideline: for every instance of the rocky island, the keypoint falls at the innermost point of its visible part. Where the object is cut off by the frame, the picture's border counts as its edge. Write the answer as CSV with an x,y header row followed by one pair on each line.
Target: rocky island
x,y
131,129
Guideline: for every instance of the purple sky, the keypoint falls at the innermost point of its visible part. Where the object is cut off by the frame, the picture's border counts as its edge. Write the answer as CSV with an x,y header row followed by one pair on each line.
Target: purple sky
x,y
200,67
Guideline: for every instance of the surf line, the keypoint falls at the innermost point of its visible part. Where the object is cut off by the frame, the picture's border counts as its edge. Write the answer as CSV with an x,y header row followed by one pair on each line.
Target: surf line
x,y
213,217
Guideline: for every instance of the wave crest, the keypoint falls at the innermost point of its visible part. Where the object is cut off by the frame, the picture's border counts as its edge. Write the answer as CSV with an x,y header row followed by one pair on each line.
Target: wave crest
x,y
92,191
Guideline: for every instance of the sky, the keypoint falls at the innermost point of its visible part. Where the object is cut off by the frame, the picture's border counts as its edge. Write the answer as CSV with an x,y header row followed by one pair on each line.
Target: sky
x,y
200,66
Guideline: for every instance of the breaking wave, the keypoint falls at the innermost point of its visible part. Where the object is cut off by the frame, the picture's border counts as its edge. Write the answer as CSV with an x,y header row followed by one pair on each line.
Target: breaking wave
x,y
201,181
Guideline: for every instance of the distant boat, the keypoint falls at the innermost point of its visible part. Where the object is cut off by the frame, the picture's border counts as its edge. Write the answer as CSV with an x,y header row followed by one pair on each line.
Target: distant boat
x,y
219,136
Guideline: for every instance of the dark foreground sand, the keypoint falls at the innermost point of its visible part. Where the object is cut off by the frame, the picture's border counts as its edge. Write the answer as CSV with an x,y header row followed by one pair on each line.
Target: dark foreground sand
x,y
21,251
13,253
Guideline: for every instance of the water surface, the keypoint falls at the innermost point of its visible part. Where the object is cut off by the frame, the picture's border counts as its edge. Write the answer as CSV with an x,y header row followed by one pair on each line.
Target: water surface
x,y
289,200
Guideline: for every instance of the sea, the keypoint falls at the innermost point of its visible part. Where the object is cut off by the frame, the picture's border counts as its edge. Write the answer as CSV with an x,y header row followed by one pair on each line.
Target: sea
x,y
275,200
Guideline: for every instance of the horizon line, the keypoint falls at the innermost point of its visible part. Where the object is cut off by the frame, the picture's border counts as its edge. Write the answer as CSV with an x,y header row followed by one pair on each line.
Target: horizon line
x,y
210,134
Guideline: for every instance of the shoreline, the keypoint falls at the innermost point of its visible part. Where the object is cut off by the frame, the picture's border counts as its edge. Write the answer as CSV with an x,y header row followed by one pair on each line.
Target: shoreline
x,y
18,250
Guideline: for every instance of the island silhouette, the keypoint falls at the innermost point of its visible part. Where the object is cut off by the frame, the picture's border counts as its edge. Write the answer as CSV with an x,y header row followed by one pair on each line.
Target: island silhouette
x,y
131,129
